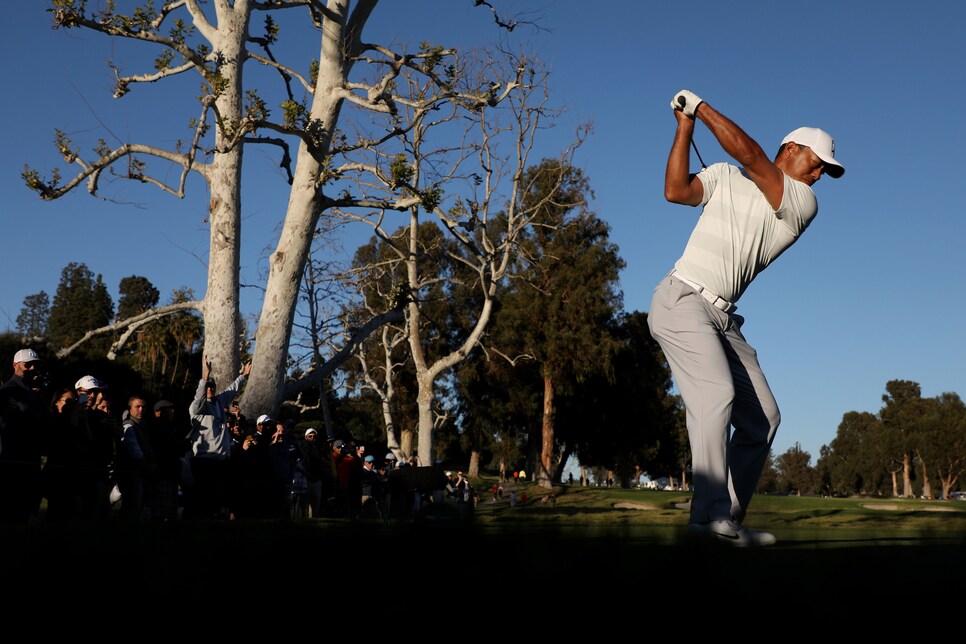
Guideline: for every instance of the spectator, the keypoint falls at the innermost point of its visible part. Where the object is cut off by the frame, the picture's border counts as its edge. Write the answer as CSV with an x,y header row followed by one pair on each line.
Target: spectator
x,y
23,419
103,427
284,454
210,445
316,474
255,482
66,454
463,488
169,443
344,464
135,463
372,484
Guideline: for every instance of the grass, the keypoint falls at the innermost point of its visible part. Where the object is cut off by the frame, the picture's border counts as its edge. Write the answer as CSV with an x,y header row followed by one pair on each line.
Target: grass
x,y
607,538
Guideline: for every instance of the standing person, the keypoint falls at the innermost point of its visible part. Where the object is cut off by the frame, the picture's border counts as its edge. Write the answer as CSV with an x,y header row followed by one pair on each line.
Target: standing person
x,y
103,427
284,454
210,441
67,446
751,214
344,467
23,422
135,462
169,443
316,472
371,487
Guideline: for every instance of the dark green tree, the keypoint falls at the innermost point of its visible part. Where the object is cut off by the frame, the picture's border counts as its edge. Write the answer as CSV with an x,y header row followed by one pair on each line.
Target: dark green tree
x,y
626,421
853,463
34,316
136,295
795,472
901,415
81,304
567,297
941,443
768,481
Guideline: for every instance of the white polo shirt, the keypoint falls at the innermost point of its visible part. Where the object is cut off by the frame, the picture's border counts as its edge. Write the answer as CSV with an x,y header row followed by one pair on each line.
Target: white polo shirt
x,y
738,234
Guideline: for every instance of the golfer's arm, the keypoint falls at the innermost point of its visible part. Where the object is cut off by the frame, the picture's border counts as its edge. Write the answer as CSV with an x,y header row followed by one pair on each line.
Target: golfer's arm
x,y
746,151
680,186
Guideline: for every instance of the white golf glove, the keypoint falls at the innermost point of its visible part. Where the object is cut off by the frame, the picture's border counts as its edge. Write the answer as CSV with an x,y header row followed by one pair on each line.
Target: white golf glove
x,y
686,101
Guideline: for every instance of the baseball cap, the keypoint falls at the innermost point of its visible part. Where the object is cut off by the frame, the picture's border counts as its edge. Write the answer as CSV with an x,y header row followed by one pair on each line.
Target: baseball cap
x,y
370,459
26,355
822,144
163,404
310,430
89,382
264,418
338,444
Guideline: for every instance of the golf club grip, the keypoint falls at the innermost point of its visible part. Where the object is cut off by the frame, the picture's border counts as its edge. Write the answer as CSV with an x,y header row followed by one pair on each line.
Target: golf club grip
x,y
682,101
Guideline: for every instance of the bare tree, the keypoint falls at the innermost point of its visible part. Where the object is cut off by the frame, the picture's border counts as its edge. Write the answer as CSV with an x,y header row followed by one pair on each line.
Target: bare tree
x,y
484,223
319,112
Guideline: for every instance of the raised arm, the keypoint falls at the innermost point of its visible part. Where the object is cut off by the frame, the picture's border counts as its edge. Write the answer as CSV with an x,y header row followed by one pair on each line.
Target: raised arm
x,y
680,186
739,146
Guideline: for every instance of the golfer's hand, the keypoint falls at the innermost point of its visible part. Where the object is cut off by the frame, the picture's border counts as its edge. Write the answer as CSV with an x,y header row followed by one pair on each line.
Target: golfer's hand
x,y
686,101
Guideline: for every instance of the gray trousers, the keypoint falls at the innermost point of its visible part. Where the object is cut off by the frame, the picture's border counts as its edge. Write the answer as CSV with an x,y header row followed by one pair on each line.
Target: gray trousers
x,y
722,385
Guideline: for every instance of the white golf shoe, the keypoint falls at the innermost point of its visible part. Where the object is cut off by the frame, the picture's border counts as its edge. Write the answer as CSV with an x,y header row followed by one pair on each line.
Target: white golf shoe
x,y
731,533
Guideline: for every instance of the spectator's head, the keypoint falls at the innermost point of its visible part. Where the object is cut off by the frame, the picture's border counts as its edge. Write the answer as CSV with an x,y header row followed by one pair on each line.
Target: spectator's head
x,y
64,400
88,388
311,435
26,365
164,409
210,389
265,424
135,407
370,462
103,402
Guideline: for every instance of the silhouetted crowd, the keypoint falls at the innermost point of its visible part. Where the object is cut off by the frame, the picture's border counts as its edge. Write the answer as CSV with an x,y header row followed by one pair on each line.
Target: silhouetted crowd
x,y
92,457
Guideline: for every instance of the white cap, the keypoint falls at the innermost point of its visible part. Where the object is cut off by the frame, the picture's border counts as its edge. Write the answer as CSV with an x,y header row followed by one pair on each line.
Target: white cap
x,y
822,144
25,355
311,430
89,382
264,418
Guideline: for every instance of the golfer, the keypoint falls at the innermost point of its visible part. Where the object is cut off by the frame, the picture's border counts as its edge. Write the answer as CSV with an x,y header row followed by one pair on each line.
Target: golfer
x,y
750,215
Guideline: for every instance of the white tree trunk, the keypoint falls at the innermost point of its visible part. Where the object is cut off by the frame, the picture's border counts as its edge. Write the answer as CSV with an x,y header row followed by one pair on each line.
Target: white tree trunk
x,y
266,387
221,313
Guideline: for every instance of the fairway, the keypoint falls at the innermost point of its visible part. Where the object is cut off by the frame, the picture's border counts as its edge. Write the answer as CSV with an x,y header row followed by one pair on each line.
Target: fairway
x,y
826,548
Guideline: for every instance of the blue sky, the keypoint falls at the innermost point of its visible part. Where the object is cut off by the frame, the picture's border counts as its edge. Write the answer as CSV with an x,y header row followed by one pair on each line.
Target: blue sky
x,y
874,291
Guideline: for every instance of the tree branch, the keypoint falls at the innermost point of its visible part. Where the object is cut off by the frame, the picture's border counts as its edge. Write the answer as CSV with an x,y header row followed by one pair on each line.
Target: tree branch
x,y
132,323
315,376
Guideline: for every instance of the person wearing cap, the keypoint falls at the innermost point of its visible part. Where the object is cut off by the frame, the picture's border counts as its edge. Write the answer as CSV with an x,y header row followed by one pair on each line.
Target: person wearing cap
x,y
23,418
316,474
94,415
372,484
87,389
210,441
750,215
